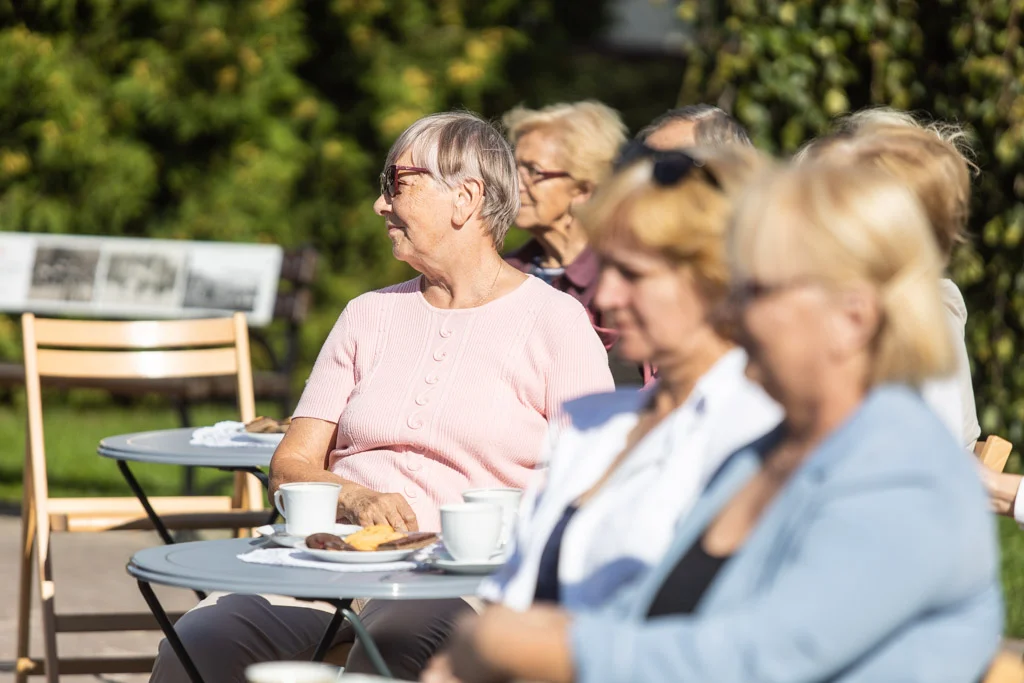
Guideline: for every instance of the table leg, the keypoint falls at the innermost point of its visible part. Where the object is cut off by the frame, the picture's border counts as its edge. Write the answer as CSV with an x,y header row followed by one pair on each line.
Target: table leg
x,y
328,637
133,484
343,607
158,523
168,628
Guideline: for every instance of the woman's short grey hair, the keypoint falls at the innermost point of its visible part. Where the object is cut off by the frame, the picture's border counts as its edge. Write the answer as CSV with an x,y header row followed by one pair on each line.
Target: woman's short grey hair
x,y
459,145
714,127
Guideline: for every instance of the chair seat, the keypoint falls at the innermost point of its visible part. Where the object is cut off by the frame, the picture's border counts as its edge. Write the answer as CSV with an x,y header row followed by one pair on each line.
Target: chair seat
x,y
177,512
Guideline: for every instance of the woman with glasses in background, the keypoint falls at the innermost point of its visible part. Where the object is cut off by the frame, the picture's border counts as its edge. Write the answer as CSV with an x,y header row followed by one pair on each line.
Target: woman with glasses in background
x,y
850,544
424,389
563,152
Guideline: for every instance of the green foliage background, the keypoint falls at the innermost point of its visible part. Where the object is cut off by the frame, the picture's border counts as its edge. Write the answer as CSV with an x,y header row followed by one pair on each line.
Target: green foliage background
x,y
266,120
787,68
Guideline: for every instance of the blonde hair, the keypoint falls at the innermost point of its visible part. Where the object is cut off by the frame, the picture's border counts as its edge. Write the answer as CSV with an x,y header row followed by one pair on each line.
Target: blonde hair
x,y
458,145
839,225
590,134
933,160
684,222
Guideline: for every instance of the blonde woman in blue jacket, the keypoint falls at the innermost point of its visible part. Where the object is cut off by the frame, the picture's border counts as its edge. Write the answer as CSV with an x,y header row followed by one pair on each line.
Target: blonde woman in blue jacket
x,y
853,543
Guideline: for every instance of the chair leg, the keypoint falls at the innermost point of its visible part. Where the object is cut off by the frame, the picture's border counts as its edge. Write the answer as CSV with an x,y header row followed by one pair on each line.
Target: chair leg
x,y
28,539
46,594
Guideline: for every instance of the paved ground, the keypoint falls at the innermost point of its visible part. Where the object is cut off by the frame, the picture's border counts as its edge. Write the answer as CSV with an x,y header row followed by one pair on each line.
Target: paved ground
x,y
90,576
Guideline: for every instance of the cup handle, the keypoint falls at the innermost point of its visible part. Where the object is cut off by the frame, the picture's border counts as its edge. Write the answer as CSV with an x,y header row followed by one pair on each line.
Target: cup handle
x,y
279,503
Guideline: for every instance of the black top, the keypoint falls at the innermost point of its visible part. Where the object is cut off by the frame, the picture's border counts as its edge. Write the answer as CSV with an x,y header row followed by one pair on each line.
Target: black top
x,y
547,573
687,582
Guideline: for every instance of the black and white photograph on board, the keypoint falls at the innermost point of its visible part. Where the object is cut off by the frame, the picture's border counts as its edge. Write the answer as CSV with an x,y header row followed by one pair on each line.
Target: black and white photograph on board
x,y
140,278
63,274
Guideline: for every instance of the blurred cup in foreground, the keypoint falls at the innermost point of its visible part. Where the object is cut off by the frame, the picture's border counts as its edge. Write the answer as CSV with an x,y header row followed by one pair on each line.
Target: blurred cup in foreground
x,y
291,672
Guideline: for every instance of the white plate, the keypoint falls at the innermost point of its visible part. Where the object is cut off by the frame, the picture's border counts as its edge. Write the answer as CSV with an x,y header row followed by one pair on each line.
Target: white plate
x,y
276,534
457,567
357,556
268,439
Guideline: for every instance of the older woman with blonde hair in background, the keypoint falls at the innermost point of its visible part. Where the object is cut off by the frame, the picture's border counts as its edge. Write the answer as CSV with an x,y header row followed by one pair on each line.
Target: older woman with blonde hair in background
x,y
563,152
852,543
932,161
446,382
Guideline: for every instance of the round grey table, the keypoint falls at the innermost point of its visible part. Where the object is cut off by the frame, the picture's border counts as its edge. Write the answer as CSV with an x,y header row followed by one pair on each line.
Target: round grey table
x,y
173,447
214,566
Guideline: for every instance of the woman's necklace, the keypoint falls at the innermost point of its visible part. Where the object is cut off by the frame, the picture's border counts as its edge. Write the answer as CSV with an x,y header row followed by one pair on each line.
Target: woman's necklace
x,y
483,299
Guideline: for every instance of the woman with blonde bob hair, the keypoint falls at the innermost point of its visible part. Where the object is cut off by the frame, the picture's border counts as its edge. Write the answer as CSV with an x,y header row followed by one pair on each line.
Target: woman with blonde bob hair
x,y
632,463
850,544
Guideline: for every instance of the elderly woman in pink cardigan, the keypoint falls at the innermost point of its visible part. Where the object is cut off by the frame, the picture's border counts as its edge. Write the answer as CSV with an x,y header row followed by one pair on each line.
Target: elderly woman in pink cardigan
x,y
424,389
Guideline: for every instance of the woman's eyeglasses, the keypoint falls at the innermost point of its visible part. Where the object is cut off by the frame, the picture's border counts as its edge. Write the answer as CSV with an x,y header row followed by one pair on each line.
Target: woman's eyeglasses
x,y
670,166
389,178
536,175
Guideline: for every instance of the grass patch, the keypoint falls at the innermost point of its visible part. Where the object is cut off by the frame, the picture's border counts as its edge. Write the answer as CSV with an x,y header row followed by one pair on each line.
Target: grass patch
x,y
73,429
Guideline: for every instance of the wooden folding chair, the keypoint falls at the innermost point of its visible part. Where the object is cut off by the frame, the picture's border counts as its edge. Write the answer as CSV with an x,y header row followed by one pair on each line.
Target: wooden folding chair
x,y
117,350
993,452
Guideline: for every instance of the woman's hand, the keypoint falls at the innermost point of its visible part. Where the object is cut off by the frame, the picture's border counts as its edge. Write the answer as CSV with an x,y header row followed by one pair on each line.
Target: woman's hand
x,y
1002,489
363,506
503,645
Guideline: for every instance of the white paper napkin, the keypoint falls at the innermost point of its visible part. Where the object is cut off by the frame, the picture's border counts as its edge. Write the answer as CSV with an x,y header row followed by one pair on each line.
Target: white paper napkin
x,y
291,557
223,434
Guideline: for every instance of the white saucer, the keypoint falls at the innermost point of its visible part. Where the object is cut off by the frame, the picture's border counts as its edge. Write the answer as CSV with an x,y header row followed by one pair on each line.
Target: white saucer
x,y
275,533
357,556
473,567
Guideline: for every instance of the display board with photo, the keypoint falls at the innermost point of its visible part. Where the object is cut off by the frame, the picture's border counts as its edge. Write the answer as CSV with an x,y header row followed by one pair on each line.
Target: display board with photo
x,y
137,278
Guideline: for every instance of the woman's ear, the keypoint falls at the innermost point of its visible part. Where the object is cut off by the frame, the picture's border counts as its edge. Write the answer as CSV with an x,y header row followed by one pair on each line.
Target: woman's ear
x,y
581,195
469,197
857,318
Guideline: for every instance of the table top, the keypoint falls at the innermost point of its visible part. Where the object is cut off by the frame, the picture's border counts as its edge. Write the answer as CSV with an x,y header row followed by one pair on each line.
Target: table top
x,y
172,447
214,566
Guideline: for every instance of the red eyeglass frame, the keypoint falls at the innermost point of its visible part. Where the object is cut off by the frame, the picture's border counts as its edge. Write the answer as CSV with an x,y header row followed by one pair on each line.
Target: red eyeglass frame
x,y
389,176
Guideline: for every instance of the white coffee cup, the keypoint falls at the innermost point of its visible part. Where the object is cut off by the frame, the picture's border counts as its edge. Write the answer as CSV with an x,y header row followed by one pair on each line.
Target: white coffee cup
x,y
308,507
291,672
508,499
471,531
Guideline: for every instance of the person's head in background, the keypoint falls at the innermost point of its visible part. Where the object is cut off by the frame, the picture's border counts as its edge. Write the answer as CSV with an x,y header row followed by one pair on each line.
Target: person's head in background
x,y
932,160
563,152
658,226
695,125
835,283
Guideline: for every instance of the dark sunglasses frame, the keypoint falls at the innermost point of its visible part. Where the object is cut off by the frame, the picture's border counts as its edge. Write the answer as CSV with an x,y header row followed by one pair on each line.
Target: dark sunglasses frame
x,y
670,166
389,176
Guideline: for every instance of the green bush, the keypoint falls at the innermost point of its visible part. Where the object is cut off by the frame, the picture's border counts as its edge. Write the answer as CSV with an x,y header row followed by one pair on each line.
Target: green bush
x,y
787,68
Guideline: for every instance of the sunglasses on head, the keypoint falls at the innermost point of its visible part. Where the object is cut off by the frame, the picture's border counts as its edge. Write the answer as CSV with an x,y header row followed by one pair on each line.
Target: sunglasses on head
x,y
389,178
670,166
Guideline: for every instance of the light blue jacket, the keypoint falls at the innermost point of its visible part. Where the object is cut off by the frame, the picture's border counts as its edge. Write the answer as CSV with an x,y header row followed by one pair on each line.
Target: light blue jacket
x,y
877,563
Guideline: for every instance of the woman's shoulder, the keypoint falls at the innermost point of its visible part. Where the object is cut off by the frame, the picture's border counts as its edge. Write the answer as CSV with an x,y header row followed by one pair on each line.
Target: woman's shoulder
x,y
594,411
896,436
390,295
548,305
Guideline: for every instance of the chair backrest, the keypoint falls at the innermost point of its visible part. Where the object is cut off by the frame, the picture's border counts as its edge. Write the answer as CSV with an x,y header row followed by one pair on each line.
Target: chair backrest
x,y
137,350
993,452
